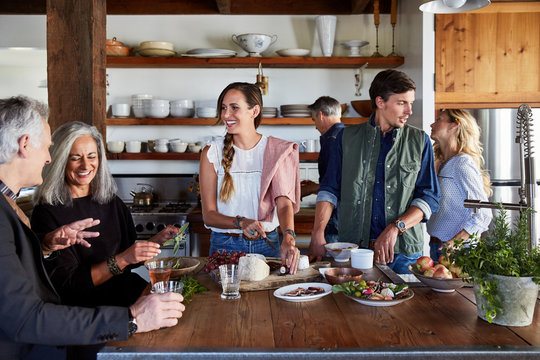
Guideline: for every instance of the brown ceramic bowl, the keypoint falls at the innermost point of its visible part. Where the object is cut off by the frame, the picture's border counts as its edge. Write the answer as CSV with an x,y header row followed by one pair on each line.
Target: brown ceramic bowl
x,y
117,50
343,108
341,275
362,107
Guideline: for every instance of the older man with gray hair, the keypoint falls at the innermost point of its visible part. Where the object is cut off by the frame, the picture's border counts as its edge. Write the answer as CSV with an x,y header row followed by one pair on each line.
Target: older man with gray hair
x,y
33,324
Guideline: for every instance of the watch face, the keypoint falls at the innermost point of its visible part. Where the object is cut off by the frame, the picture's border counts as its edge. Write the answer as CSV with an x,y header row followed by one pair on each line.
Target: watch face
x,y
132,327
401,225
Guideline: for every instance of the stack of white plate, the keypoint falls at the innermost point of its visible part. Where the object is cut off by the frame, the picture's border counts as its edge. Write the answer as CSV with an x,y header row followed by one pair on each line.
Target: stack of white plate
x,y
269,112
137,104
206,112
210,53
295,110
156,48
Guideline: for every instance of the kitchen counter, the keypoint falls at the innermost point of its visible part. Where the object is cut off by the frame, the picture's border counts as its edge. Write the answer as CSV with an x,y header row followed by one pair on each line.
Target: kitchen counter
x,y
262,326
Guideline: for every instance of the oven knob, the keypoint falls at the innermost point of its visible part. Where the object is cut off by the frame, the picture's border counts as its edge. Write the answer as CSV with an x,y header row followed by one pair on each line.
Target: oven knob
x,y
150,226
139,228
160,227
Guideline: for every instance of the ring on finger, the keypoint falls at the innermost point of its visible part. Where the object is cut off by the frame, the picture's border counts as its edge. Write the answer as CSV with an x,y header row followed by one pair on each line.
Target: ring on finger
x,y
252,232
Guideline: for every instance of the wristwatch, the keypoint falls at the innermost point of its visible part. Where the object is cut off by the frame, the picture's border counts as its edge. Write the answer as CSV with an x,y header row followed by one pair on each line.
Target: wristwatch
x,y
400,225
132,324
291,232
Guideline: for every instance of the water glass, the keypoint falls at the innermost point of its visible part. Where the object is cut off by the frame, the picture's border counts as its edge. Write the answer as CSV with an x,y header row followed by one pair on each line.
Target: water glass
x,y
167,286
230,281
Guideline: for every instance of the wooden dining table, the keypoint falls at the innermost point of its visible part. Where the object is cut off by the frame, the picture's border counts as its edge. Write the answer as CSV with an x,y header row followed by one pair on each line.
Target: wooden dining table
x,y
262,326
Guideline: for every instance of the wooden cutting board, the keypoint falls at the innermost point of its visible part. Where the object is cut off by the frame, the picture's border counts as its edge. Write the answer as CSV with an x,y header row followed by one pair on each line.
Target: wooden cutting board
x,y
274,280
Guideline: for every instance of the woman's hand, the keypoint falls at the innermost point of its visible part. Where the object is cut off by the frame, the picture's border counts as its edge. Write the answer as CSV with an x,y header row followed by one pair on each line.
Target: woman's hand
x,y
252,229
69,234
290,255
165,234
138,252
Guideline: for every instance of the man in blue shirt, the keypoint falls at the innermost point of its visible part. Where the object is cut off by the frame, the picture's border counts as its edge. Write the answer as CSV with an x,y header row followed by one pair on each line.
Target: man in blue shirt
x,y
383,177
326,113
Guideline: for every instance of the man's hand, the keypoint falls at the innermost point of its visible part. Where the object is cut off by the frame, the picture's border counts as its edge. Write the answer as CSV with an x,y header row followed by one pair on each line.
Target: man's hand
x,y
157,310
317,250
69,234
308,187
384,245
290,255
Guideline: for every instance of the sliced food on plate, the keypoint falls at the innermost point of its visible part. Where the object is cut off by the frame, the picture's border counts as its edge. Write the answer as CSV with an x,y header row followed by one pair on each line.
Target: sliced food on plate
x,y
303,292
375,293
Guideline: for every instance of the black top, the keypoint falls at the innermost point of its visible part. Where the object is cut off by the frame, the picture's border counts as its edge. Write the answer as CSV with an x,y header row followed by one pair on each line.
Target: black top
x,y
70,268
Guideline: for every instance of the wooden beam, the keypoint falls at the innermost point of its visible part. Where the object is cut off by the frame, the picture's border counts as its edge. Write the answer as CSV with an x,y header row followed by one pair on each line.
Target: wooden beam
x,y
359,6
224,6
76,62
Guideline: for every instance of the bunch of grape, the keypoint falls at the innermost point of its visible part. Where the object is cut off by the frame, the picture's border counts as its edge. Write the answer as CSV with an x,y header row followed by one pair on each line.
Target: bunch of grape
x,y
221,258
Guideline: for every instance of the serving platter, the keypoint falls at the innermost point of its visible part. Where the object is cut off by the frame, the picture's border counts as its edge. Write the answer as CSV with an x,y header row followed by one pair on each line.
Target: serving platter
x,y
280,293
439,285
382,302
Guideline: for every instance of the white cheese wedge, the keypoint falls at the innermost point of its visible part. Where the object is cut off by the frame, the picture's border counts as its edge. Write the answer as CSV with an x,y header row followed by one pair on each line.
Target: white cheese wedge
x,y
303,263
252,268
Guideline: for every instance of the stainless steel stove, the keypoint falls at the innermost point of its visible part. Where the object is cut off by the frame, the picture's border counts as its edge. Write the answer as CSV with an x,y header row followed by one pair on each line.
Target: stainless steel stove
x,y
149,220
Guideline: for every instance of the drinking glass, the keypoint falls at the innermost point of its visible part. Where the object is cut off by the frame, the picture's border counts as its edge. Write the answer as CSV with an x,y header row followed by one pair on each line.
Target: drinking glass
x,y
159,270
230,281
167,286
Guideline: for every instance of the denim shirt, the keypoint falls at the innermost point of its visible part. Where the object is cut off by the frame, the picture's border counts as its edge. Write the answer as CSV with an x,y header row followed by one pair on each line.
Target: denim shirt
x,y
426,190
326,159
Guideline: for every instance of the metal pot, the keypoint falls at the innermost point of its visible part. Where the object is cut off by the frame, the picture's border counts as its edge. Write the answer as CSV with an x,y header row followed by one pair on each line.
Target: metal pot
x,y
145,197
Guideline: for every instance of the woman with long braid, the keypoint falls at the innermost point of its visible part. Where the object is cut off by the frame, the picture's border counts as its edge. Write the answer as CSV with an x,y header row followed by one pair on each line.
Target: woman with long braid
x,y
250,182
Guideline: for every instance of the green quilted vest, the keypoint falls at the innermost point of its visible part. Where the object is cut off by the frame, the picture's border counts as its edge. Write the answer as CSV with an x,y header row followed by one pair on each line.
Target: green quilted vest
x,y
361,145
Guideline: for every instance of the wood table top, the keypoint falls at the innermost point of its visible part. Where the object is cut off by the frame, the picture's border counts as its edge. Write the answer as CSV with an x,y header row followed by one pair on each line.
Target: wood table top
x,y
259,320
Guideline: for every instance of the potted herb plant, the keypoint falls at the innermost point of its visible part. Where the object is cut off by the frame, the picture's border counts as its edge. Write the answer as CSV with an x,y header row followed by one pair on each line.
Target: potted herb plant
x,y
504,269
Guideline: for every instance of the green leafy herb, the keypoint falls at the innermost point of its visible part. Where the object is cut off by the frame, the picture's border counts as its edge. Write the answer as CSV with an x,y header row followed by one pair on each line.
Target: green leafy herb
x,y
503,252
191,286
178,239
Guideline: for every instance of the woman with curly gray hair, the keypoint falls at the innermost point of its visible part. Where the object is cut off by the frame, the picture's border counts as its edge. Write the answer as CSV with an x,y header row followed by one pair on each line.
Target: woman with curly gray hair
x,y
79,184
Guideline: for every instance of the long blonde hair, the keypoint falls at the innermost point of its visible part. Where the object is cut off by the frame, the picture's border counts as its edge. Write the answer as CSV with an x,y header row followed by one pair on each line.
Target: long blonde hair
x,y
468,142
253,97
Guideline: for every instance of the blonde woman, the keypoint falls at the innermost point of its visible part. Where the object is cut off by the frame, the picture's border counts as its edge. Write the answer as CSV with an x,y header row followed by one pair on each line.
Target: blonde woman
x,y
458,153
250,182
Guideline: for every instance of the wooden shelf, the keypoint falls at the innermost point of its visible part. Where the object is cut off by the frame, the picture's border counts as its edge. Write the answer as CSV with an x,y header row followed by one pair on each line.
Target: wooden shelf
x,y
179,156
213,121
383,62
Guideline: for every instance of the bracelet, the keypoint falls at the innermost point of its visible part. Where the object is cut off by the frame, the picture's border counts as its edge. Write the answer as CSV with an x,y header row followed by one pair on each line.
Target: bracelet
x,y
113,266
289,231
236,222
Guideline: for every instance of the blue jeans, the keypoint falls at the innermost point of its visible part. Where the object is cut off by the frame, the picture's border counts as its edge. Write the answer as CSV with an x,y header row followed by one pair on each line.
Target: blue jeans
x,y
220,241
434,251
400,263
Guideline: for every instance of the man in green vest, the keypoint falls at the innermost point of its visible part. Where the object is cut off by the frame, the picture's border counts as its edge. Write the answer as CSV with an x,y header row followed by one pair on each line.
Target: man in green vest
x,y
384,178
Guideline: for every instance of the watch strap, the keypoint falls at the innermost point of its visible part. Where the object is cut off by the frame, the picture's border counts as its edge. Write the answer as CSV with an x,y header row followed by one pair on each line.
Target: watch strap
x,y
290,231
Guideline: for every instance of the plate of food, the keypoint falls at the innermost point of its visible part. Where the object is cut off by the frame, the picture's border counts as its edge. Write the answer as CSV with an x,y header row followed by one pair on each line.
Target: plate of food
x,y
303,292
375,293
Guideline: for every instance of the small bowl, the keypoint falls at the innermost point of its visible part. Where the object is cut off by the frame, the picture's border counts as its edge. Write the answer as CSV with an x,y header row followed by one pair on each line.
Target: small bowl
x,y
340,251
115,146
194,148
439,285
362,107
117,50
254,44
179,147
337,276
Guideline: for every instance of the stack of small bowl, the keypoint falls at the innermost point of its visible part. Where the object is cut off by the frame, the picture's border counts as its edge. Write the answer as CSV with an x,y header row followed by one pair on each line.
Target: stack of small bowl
x,y
156,48
182,109
178,145
156,108
269,112
295,110
137,104
206,112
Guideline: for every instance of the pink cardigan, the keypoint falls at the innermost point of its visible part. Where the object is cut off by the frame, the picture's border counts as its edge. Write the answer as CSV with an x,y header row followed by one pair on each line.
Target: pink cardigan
x,y
280,176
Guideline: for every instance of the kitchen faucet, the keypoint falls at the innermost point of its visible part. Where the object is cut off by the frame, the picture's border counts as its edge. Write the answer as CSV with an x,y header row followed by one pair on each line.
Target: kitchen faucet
x,y
526,190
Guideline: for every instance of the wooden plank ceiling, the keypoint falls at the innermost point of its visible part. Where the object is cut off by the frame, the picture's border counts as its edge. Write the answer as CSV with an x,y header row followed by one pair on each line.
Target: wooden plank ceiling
x,y
216,7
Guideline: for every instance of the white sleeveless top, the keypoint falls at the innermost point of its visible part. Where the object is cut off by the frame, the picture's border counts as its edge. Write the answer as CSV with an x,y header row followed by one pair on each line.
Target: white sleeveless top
x,y
246,172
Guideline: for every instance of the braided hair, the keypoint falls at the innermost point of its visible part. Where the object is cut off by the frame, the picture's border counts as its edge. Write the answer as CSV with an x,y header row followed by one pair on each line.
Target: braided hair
x,y
253,97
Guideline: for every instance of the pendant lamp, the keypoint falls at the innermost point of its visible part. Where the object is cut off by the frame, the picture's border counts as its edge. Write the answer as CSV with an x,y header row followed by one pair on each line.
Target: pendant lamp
x,y
453,6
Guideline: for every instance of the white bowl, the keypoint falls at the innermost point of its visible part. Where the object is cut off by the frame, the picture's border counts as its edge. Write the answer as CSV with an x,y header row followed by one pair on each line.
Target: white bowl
x,y
161,148
179,147
120,110
133,146
254,44
157,45
115,146
206,112
156,112
340,251
182,112
293,52
194,148
186,103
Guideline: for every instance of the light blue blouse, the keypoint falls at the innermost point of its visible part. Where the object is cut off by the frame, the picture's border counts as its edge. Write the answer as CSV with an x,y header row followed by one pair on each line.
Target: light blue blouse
x,y
457,177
